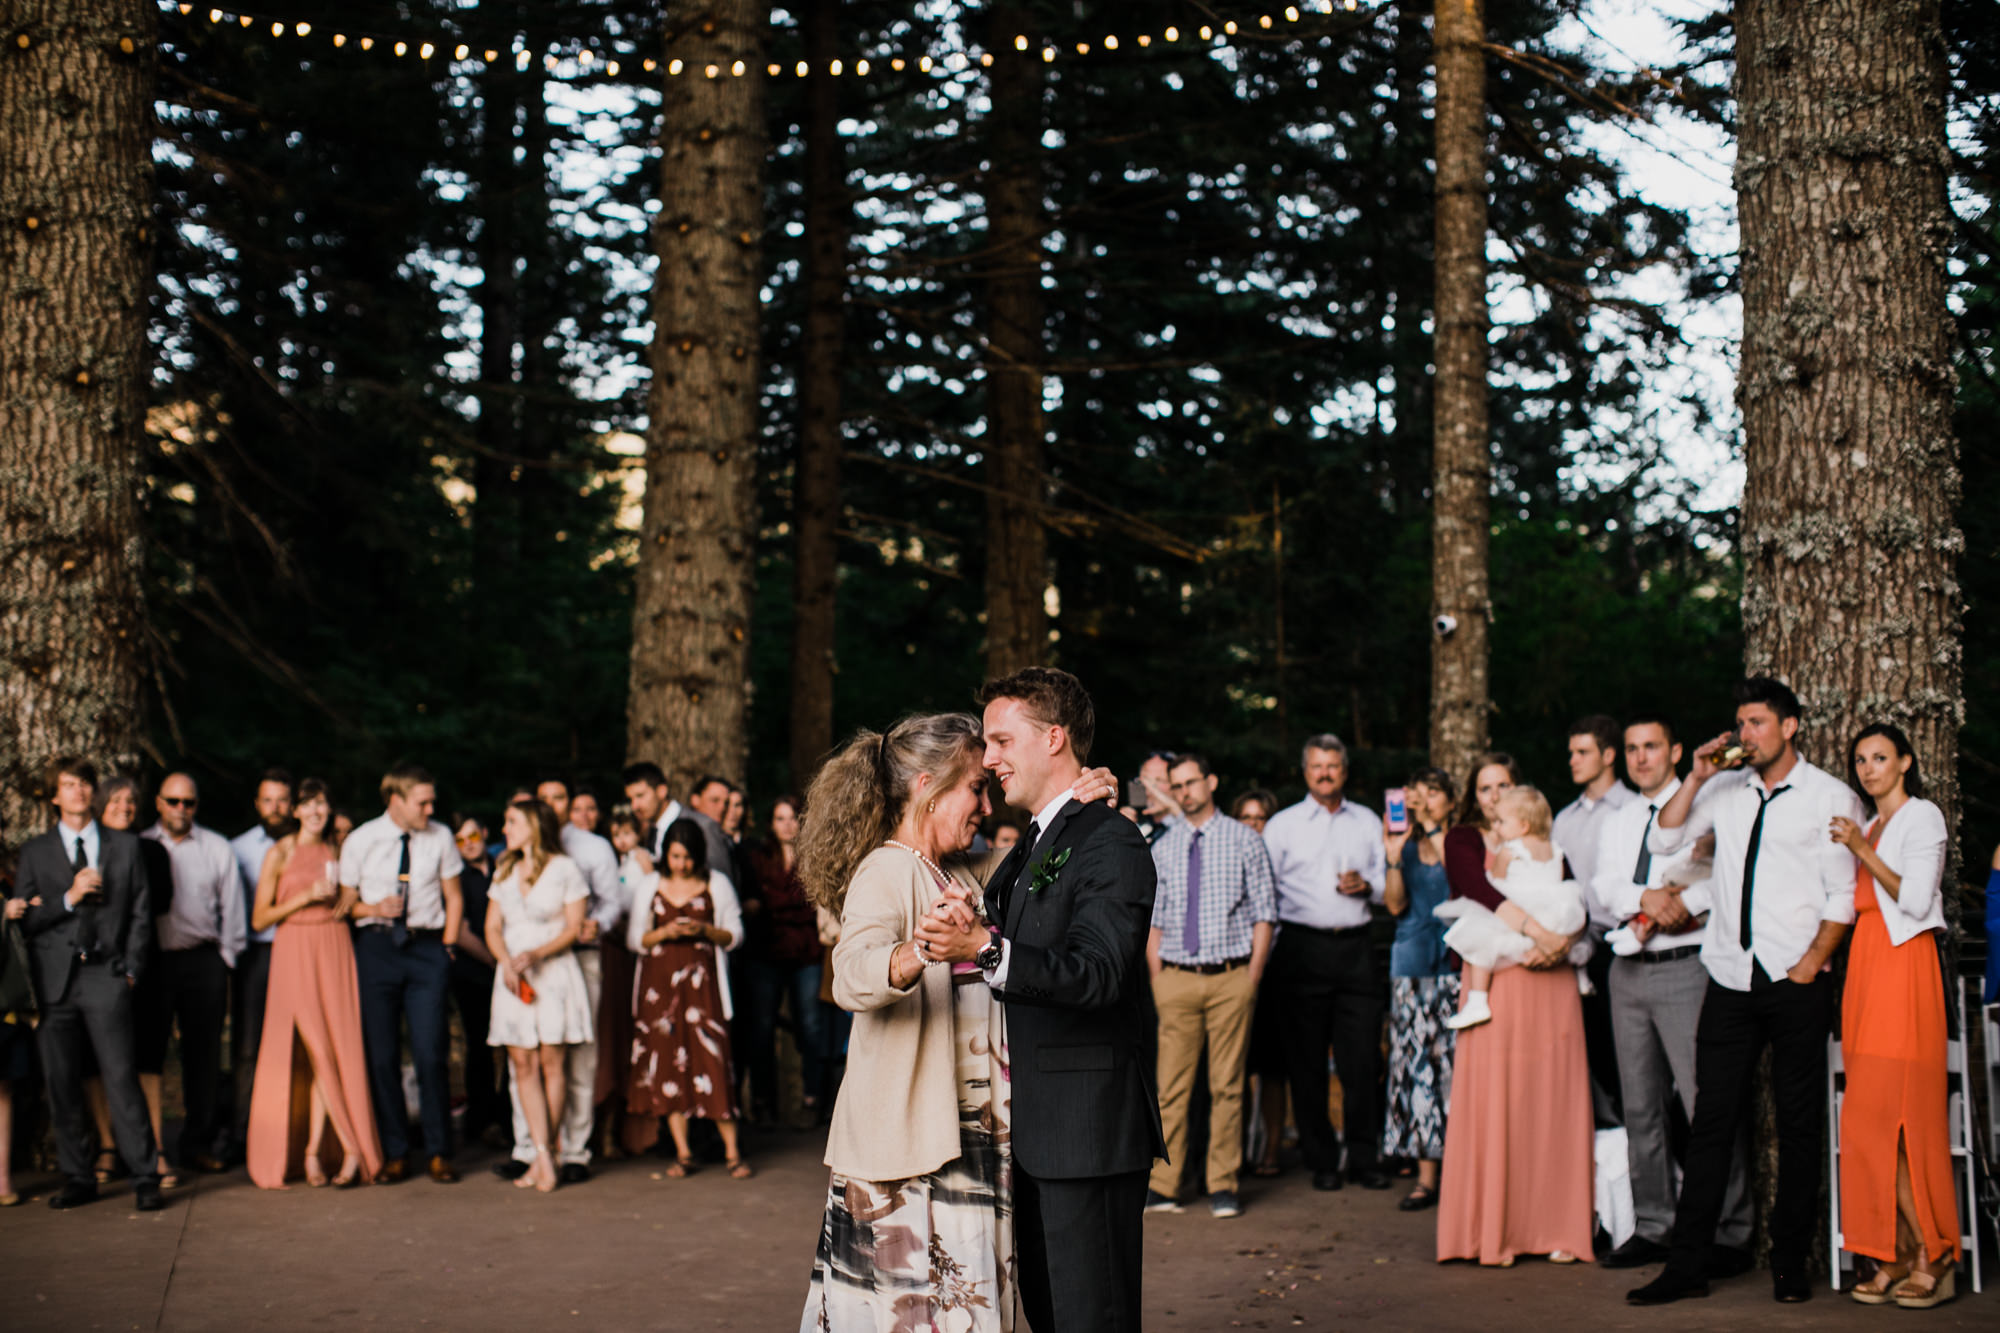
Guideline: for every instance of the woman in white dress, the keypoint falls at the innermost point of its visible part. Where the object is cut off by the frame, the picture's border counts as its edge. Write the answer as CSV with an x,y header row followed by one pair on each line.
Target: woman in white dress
x,y
540,1003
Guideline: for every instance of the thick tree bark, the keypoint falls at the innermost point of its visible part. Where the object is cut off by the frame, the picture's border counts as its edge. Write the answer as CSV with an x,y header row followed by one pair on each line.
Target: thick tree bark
x,y
1849,546
1017,576
76,247
691,618
816,476
1462,458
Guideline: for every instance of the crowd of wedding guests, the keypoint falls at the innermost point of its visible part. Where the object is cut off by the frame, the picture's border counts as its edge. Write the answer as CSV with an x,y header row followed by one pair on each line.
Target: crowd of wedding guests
x,y
608,984
1626,959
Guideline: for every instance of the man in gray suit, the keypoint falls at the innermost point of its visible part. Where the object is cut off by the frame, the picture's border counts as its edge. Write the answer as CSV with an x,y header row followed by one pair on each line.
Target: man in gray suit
x,y
90,932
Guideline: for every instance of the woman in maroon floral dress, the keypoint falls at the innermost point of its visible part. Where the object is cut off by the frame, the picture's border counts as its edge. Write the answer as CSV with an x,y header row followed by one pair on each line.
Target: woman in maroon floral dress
x,y
684,921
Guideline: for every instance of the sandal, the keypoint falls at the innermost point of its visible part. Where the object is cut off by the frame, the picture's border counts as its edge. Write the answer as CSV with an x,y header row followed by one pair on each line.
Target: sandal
x,y
1418,1199
106,1174
168,1179
315,1175
738,1168
1938,1288
680,1168
1880,1288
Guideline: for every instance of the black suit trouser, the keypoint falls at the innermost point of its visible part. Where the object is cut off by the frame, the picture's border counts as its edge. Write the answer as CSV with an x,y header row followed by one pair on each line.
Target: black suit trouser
x,y
1081,1245
411,984
1328,994
94,1018
253,983
191,992
1735,1027
1599,1045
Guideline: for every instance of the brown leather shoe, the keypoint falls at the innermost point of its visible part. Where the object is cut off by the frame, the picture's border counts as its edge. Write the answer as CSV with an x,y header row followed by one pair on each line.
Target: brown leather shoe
x,y
442,1172
392,1172
207,1164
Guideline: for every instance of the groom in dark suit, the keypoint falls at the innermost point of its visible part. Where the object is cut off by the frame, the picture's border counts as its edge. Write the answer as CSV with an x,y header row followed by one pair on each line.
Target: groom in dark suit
x,y
90,931
1073,903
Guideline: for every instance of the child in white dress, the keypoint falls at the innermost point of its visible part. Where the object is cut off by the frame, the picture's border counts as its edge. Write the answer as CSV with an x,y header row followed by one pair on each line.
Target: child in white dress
x,y
1528,870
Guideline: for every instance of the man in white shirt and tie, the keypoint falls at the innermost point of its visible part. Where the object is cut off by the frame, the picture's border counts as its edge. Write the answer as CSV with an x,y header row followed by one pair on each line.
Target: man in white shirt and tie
x,y
200,937
1326,853
1656,998
399,871
1593,766
1783,902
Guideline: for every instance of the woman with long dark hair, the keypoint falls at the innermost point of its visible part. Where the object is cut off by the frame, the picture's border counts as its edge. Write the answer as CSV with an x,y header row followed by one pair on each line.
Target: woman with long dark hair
x,y
1898,1205
1423,985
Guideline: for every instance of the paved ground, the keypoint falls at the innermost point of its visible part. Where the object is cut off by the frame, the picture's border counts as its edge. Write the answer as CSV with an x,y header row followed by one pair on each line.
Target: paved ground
x,y
632,1251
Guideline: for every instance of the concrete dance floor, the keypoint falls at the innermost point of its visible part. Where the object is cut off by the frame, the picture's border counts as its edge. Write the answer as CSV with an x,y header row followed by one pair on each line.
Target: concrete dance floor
x,y
632,1251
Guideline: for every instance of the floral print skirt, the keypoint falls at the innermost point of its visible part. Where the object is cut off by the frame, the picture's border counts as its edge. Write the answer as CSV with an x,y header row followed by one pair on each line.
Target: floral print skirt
x,y
1420,1054
935,1251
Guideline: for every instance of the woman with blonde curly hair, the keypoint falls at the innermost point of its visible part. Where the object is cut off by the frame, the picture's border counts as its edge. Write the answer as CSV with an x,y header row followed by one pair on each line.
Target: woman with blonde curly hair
x,y
918,1227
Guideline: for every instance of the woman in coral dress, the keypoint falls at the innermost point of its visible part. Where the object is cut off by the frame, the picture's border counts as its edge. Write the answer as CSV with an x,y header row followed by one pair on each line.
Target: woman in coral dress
x,y
1897,1202
1518,1136
311,1071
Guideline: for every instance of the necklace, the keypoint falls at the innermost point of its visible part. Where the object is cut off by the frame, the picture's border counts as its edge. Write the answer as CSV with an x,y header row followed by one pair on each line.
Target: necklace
x,y
935,869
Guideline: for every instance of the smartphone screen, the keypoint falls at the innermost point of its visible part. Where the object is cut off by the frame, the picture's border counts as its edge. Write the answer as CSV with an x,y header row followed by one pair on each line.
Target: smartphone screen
x,y
1399,809
1135,794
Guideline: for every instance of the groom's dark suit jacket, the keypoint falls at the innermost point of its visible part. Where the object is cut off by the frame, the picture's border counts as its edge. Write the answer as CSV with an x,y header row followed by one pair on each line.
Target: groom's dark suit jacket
x,y
122,920
1081,1030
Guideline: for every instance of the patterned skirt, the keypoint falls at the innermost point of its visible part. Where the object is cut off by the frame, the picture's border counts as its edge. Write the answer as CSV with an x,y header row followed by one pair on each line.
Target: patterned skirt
x,y
935,1251
1420,1053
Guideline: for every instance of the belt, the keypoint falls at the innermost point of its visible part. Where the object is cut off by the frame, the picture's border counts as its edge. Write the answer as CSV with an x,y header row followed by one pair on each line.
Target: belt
x,y
1665,955
1333,932
1208,969
426,932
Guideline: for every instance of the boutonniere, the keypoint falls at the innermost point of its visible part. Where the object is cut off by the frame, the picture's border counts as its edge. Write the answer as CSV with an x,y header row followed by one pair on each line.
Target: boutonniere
x,y
1044,873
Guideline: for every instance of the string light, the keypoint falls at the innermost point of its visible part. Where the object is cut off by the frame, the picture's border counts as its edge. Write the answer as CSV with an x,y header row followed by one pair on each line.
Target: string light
x,y
896,64
861,67
304,29
340,39
401,48
424,53
1173,34
737,69
834,68
368,43
673,67
712,71
459,53
1021,43
1111,43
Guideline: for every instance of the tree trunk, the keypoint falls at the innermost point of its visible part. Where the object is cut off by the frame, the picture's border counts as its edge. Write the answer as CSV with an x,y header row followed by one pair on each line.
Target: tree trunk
x,y
75,252
1848,541
691,617
816,477
1017,576
1462,462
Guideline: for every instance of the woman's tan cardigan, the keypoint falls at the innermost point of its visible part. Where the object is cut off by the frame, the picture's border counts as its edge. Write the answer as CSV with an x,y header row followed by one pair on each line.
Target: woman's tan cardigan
x,y
897,1115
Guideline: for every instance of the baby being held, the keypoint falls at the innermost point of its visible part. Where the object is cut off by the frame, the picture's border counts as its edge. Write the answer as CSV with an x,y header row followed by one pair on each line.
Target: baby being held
x,y
1528,870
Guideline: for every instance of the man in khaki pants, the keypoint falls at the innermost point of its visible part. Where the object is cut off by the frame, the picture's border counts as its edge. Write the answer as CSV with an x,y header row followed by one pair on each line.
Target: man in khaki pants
x,y
1213,918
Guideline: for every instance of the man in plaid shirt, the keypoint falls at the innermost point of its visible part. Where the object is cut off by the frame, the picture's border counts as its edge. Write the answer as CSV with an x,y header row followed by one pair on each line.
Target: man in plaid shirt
x,y
1213,918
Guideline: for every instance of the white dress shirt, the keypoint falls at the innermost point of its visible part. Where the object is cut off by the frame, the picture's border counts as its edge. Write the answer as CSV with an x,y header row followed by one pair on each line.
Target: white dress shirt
x,y
656,843
1803,876
996,977
91,856
1579,829
368,861
1310,845
250,848
598,861
208,893
1614,892
1913,844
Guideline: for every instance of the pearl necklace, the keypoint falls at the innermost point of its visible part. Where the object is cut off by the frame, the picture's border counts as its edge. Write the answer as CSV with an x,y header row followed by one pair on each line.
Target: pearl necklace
x,y
935,869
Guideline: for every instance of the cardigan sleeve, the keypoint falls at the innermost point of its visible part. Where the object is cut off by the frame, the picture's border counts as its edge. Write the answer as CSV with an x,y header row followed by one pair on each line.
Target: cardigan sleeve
x,y
874,920
1919,857
1465,868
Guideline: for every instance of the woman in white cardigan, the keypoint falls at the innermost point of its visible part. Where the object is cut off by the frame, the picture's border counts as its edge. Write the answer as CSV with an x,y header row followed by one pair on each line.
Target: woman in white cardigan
x,y
1897,1202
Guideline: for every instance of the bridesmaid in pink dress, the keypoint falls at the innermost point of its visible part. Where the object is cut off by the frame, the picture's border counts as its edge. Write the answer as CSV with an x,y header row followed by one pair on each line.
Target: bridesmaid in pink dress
x,y
1518,1136
310,1066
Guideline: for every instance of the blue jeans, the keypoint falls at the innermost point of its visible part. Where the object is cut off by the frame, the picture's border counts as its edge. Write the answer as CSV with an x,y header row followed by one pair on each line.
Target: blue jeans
x,y
411,984
768,984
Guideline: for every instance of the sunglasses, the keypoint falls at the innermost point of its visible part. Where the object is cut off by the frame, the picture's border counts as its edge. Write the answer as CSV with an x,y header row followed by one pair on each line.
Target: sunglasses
x,y
184,801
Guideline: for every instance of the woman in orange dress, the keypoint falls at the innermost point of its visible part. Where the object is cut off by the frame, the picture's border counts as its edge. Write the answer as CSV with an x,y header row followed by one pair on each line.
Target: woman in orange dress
x,y
1516,1177
310,1065
1897,1202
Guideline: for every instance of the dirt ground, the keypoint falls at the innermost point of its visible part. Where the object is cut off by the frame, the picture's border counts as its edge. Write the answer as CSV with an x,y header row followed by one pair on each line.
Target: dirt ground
x,y
630,1250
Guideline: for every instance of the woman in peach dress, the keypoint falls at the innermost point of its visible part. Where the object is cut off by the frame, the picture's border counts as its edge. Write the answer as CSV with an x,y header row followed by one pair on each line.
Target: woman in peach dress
x,y
310,1066
1518,1137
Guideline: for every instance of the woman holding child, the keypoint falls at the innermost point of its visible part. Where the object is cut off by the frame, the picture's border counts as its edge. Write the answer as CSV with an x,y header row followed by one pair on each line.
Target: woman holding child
x,y
1517,1146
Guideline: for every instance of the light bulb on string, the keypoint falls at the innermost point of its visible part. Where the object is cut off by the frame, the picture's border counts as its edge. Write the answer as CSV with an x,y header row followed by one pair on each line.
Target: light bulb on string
x,y
835,67
1083,48
583,57
302,29
1048,55
521,59
1230,27
924,64
1206,32
1145,40
737,69
897,63
215,16
491,56
861,67
277,30
802,69
611,68
401,47
1021,42
243,20
650,65
1111,43
712,71
368,43
674,67
424,52
1291,13
460,52
186,10
1264,21
340,39
986,59
1173,34
773,70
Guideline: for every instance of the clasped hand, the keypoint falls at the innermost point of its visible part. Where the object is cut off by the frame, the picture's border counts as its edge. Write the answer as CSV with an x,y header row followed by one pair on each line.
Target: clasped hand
x,y
951,931
87,883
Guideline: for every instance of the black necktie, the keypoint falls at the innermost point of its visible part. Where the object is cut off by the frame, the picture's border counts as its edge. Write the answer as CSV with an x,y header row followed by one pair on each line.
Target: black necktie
x,y
1750,862
400,930
86,911
1001,887
1642,871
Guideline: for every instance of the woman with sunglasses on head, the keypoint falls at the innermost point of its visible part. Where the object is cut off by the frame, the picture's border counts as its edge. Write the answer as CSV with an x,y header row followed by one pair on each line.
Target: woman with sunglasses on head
x,y
311,1070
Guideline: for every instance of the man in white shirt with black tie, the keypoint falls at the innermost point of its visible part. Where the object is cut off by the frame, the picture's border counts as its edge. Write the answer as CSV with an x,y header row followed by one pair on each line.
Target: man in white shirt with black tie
x,y
399,872
1656,997
1783,902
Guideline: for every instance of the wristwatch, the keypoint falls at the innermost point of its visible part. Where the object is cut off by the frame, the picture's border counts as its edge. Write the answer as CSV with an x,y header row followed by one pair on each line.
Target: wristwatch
x,y
989,958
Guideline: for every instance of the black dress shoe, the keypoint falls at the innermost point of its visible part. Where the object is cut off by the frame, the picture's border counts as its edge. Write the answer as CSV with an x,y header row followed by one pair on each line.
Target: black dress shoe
x,y
1790,1288
1667,1288
208,1164
146,1197
573,1173
1635,1253
1418,1199
509,1169
1726,1261
1371,1178
73,1195
1326,1180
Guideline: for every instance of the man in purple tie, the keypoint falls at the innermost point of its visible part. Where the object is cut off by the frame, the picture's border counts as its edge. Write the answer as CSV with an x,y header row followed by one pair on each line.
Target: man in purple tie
x,y
1213,919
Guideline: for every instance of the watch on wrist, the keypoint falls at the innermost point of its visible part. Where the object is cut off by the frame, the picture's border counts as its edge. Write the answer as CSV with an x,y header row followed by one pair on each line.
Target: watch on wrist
x,y
989,958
